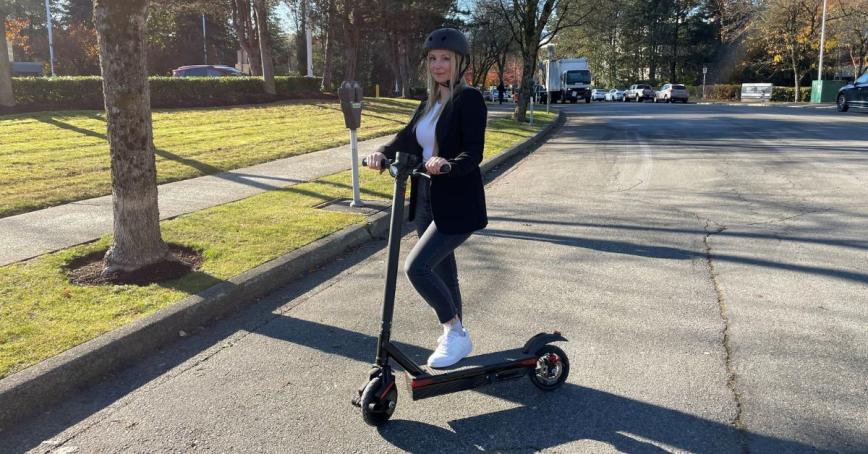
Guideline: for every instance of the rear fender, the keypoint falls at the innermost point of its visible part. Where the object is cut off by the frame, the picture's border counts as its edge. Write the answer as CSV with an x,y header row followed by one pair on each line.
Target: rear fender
x,y
535,343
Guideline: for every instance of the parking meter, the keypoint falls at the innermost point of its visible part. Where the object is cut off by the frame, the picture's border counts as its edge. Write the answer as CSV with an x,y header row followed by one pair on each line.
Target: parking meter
x,y
350,94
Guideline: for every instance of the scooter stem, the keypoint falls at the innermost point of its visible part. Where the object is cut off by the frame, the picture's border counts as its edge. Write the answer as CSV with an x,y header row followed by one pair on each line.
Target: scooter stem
x,y
394,248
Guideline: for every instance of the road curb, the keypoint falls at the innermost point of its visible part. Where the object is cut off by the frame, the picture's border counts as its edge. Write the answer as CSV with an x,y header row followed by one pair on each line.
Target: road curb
x,y
38,387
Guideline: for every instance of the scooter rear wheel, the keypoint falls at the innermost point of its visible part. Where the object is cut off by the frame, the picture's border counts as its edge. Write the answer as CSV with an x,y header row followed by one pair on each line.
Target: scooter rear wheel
x,y
376,410
552,368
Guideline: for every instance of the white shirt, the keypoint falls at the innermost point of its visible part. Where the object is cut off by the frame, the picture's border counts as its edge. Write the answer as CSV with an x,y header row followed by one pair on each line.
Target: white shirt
x,y
426,133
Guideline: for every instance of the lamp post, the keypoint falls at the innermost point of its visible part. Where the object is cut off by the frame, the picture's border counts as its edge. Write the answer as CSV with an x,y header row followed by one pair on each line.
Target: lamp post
x,y
50,37
822,42
309,36
204,40
550,54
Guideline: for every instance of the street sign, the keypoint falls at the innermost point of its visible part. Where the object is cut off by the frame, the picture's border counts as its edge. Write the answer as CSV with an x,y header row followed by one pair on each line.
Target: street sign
x,y
704,69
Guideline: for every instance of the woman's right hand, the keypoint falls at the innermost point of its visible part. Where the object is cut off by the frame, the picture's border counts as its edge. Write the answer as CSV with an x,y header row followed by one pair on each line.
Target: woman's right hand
x,y
374,159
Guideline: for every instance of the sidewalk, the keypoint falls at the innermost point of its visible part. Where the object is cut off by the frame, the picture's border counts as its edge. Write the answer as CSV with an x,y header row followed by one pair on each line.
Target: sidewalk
x,y
39,232
32,234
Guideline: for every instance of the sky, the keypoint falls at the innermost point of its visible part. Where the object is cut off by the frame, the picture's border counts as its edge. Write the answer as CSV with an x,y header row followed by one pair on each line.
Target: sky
x,y
287,25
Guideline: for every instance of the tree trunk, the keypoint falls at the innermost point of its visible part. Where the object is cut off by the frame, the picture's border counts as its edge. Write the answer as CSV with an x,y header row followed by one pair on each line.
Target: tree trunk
x,y
796,77
7,96
329,48
652,53
265,46
301,38
351,23
393,59
246,32
121,34
674,62
526,88
404,68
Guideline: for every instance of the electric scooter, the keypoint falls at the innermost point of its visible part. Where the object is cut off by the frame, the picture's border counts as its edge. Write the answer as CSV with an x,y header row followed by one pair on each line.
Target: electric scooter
x,y
546,365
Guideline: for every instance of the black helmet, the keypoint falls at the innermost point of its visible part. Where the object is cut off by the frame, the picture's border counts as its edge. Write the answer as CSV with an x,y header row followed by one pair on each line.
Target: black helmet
x,y
449,39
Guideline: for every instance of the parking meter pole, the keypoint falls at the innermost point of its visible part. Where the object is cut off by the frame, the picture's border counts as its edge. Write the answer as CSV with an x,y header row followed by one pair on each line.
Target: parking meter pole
x,y
350,95
354,150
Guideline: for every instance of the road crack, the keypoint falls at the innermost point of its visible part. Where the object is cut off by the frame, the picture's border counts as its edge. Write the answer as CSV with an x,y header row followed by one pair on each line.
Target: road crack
x,y
731,378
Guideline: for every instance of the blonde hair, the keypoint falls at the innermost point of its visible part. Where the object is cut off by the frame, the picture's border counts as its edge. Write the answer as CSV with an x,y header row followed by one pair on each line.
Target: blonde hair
x,y
434,88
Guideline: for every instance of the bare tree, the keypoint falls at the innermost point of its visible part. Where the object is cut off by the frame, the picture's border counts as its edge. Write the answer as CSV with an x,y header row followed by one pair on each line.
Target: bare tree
x,y
533,24
121,33
242,21
490,41
735,17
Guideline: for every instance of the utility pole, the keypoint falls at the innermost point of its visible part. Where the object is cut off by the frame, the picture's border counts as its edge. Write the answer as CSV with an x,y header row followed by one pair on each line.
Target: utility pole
x,y
50,37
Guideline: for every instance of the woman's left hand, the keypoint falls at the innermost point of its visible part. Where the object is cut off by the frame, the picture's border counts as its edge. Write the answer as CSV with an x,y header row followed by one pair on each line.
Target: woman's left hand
x,y
434,164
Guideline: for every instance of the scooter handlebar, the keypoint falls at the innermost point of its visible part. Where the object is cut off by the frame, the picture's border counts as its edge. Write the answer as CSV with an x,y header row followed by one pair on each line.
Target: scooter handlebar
x,y
385,162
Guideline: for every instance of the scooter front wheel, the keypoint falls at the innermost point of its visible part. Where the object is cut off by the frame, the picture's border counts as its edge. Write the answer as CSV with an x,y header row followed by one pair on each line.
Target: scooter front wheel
x,y
552,368
377,403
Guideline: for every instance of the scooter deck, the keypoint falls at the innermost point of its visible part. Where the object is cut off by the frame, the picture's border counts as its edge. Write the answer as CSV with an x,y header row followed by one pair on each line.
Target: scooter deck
x,y
471,372
480,361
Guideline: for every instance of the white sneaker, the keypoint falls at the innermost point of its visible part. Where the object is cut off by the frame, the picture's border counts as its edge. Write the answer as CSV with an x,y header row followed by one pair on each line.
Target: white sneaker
x,y
454,346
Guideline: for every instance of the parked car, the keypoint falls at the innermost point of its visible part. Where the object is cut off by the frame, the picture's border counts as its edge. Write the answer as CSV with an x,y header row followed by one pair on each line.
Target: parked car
x,y
507,95
486,95
205,71
672,93
26,68
615,95
639,92
854,94
598,94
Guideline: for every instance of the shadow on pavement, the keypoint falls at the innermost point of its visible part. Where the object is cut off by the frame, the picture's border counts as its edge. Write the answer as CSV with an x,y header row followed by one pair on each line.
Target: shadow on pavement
x,y
543,420
624,247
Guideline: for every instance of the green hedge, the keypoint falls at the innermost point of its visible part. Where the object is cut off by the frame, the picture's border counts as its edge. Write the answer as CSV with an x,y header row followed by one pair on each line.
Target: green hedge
x,y
786,94
58,93
722,92
719,92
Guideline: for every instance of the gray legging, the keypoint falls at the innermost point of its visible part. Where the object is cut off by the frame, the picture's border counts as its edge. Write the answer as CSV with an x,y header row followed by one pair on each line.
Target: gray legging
x,y
431,265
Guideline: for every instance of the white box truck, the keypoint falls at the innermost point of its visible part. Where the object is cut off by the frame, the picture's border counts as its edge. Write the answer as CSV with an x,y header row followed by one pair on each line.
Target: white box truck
x,y
568,79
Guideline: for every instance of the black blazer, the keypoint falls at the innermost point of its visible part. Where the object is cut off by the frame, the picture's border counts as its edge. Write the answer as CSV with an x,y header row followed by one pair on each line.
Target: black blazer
x,y
458,197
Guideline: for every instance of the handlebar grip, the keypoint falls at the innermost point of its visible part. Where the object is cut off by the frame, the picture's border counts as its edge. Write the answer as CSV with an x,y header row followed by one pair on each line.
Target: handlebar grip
x,y
384,163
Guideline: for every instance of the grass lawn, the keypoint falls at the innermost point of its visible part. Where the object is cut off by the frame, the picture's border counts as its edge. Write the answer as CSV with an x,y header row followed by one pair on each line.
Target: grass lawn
x,y
51,158
43,314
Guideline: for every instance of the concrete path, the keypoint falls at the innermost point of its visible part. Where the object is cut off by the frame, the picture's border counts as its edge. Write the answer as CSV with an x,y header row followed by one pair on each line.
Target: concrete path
x,y
38,232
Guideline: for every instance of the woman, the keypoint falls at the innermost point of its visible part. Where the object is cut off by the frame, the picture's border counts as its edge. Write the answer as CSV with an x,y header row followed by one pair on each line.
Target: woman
x,y
449,126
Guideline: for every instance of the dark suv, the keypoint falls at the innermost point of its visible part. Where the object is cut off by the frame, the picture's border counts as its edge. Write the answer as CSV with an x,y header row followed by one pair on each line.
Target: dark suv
x,y
854,95
205,71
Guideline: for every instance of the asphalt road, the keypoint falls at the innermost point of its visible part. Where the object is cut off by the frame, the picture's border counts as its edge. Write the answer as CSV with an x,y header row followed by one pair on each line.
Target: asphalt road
x,y
706,263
